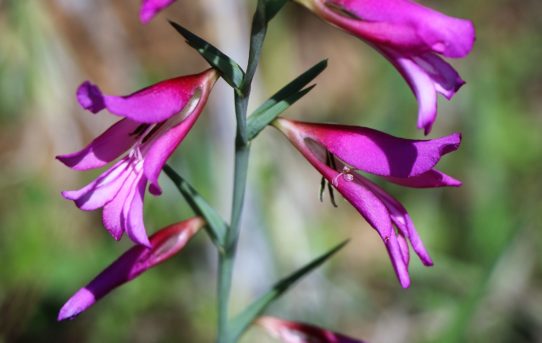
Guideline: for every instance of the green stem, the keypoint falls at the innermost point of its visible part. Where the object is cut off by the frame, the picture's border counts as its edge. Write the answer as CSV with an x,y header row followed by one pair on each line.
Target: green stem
x,y
226,260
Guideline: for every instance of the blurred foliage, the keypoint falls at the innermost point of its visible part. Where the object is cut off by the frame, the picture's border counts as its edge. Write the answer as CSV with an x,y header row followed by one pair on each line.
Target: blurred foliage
x,y
485,237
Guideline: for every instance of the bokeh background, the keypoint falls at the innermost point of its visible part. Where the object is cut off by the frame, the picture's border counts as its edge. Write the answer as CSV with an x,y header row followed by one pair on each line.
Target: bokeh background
x,y
485,237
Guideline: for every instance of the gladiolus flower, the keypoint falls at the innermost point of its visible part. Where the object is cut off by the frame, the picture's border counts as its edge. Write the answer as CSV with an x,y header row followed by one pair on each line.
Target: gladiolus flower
x,y
338,152
295,332
164,245
150,8
156,120
410,36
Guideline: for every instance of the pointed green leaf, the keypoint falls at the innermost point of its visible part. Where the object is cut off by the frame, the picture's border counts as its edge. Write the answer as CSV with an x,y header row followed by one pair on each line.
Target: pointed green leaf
x,y
265,11
272,7
245,318
283,99
230,71
257,123
216,227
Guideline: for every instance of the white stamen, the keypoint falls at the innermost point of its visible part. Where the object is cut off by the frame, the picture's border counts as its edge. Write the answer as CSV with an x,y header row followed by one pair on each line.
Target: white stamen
x,y
345,173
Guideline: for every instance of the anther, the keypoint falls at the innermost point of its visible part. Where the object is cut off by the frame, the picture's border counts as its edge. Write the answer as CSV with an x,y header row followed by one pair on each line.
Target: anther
x,y
345,173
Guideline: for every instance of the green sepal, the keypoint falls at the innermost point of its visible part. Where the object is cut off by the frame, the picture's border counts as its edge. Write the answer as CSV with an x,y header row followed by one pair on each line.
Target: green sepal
x,y
283,99
216,227
230,71
240,323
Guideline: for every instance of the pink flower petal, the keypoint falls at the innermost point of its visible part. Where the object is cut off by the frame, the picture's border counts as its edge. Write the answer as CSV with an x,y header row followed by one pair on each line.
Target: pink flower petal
x,y
429,179
164,244
426,74
150,8
113,216
100,191
152,104
370,150
401,24
133,212
104,148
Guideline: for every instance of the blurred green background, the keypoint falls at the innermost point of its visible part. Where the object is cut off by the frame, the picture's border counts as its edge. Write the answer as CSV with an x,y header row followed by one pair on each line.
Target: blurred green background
x,y
485,237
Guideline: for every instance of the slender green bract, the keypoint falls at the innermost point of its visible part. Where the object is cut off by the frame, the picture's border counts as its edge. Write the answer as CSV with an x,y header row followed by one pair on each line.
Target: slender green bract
x,y
228,68
216,227
243,320
284,98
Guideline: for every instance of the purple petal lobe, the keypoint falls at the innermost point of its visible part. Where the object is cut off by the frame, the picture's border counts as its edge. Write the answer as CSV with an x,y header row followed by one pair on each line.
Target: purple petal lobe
x,y
370,150
104,148
163,245
135,228
431,179
427,75
78,303
102,190
90,97
158,102
150,8
170,135
401,24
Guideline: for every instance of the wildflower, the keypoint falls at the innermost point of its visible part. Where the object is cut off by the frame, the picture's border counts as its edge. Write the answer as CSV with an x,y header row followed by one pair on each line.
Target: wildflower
x,y
338,152
410,36
164,245
150,8
156,120
295,332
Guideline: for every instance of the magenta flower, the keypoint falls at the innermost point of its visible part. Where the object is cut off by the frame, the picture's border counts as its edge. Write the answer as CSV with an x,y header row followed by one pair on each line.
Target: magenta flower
x,y
156,120
150,8
338,152
410,36
164,244
295,332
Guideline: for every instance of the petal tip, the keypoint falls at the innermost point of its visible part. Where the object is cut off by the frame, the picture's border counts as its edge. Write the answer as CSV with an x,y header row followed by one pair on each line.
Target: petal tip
x,y
90,97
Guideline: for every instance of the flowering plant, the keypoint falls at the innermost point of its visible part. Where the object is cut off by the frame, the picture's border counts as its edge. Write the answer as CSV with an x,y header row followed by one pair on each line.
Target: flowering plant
x,y
156,119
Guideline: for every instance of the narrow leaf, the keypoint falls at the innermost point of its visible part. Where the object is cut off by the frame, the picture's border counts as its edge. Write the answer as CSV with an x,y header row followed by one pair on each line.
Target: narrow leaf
x,y
230,71
216,227
256,123
283,99
272,7
265,11
244,319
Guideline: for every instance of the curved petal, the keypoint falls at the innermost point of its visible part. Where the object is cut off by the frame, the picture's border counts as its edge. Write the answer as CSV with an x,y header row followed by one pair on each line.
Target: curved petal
x,y
426,74
165,244
400,24
100,191
152,104
431,179
377,214
104,148
150,8
401,219
133,212
170,135
113,216
369,150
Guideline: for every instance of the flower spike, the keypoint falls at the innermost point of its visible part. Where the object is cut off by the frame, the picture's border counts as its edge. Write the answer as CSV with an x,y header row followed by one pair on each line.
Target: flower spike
x,y
164,245
406,162
411,37
156,120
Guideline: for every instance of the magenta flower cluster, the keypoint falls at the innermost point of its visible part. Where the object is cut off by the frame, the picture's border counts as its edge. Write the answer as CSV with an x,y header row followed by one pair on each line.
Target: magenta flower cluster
x,y
155,120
